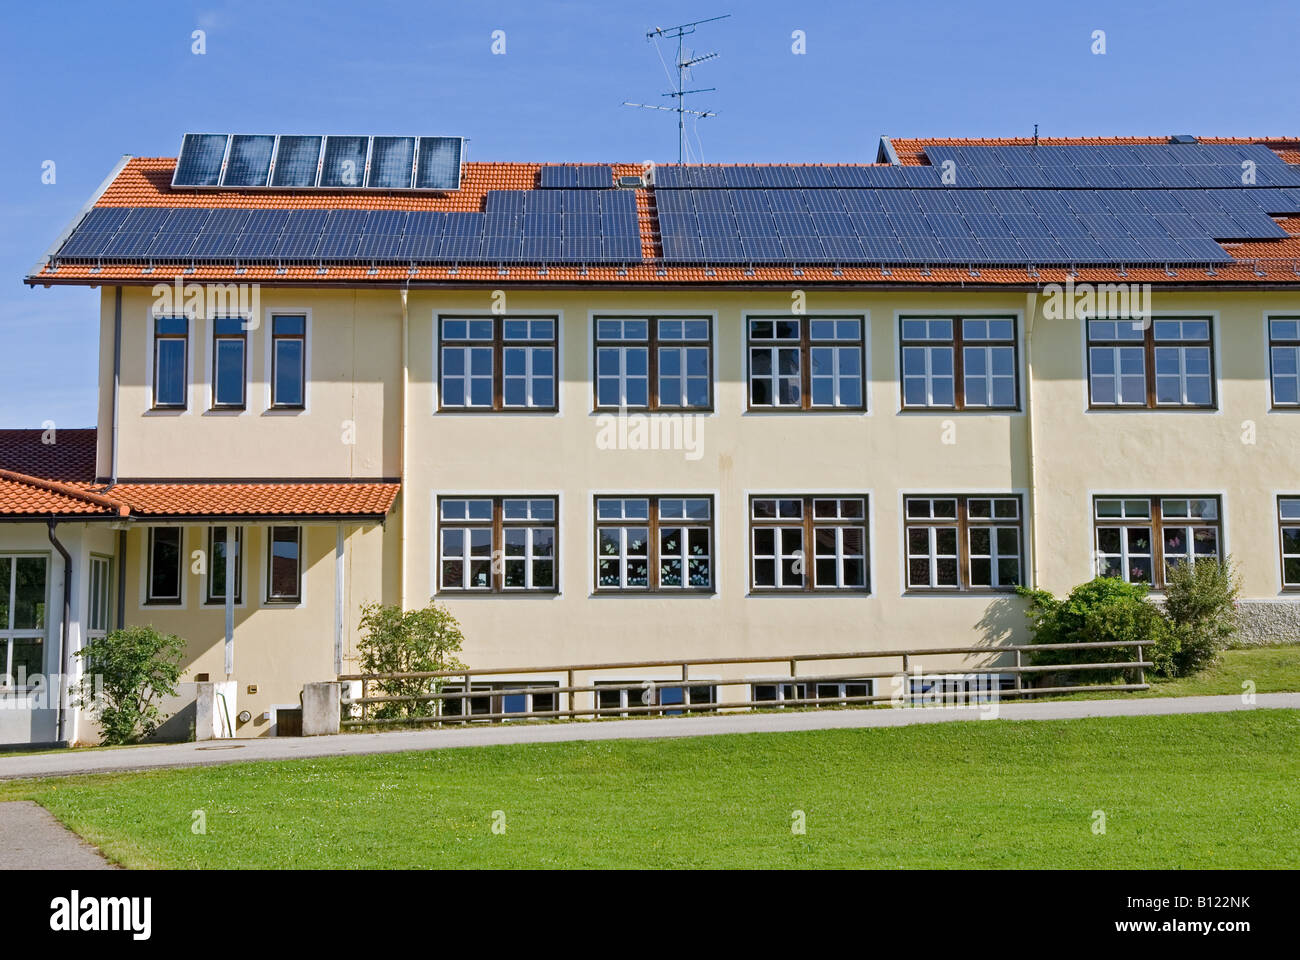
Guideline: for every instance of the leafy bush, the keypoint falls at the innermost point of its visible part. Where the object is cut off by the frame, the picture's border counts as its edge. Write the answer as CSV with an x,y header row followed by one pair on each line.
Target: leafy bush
x,y
414,641
1201,603
125,673
1104,609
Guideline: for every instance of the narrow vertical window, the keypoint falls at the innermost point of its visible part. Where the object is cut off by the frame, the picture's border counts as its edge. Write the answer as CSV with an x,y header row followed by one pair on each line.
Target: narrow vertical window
x,y
229,349
170,353
164,565
217,565
288,361
100,596
284,565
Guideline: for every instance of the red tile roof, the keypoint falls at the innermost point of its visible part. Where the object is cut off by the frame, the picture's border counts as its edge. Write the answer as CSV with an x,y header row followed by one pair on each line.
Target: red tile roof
x,y
40,479
147,182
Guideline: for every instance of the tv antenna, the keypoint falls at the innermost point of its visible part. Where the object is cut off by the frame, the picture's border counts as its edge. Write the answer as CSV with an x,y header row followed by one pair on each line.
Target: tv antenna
x,y
683,65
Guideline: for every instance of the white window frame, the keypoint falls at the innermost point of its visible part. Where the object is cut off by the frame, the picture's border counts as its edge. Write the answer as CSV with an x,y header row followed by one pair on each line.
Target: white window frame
x,y
99,578
9,634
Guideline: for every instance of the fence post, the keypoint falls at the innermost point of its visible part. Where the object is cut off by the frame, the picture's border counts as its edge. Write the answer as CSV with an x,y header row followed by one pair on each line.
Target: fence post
x,y
573,706
1019,675
365,707
1142,671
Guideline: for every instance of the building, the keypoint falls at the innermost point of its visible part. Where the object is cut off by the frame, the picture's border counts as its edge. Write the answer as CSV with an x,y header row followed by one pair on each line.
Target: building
x,y
605,413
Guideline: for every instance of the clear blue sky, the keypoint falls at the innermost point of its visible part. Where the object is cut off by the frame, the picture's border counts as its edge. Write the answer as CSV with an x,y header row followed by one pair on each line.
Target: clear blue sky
x,y
82,83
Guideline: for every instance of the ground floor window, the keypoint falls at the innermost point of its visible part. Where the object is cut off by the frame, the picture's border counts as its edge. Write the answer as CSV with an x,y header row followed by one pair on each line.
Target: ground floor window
x,y
498,544
284,565
1288,515
958,689
650,693
821,694
100,603
499,697
216,585
22,617
963,543
164,581
1141,539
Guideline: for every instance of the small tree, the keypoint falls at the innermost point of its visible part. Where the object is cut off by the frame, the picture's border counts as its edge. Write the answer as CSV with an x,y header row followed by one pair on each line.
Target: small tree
x,y
130,670
1105,609
414,641
1201,603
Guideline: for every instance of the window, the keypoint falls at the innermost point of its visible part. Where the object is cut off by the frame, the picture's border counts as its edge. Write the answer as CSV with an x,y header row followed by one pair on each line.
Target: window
x,y
217,565
1288,515
284,565
654,363
779,692
1139,539
164,565
806,363
229,346
1284,360
22,618
99,598
170,361
1169,363
781,530
497,364
618,701
497,544
654,543
489,698
289,361
963,543
959,363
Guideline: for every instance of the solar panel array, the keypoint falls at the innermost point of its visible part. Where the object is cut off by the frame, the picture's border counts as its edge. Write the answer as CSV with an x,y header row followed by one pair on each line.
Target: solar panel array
x,y
576,175
251,161
516,226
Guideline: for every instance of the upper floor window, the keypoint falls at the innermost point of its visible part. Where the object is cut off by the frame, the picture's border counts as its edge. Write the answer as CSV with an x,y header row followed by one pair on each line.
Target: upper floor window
x,y
505,363
1288,516
1140,539
170,361
808,543
806,363
1167,363
164,559
497,544
289,361
1284,360
284,565
22,617
654,363
216,585
963,542
959,363
229,350
654,543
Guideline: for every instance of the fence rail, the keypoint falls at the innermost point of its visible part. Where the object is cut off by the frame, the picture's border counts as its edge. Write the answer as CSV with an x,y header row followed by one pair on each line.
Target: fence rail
x,y
465,692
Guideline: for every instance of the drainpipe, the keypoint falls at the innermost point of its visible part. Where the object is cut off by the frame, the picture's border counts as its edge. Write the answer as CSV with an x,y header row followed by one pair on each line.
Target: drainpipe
x,y
121,579
1031,315
63,625
406,348
117,372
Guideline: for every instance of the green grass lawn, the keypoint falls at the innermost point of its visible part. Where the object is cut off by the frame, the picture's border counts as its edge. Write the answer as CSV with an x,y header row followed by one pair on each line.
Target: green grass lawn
x,y
1272,669
1215,790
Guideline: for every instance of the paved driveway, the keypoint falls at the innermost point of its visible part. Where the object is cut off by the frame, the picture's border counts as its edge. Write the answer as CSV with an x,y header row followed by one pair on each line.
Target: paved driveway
x,y
67,762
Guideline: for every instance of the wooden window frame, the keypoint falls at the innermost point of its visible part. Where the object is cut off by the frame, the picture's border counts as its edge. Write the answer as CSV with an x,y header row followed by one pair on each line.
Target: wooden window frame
x,y
1157,521
242,339
958,343
963,523
498,344
275,363
1282,342
652,523
805,345
179,599
498,524
652,344
809,524
184,338
296,598
1148,344
1283,524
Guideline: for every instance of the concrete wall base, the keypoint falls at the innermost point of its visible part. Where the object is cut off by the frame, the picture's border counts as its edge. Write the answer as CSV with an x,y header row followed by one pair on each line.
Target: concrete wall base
x,y
321,703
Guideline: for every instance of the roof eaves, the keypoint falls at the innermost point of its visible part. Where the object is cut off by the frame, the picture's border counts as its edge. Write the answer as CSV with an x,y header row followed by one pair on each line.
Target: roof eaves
x,y
67,490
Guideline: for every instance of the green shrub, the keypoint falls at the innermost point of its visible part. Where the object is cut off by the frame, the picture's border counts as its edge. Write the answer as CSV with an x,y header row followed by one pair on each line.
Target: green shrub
x,y
124,674
1104,609
414,641
1201,604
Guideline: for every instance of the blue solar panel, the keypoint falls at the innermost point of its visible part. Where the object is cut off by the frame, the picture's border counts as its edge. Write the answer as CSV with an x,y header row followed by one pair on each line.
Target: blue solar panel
x,y
219,234
382,235
392,162
296,161
345,162
178,233
249,163
437,167
136,233
576,175
261,235
301,234
340,234
199,164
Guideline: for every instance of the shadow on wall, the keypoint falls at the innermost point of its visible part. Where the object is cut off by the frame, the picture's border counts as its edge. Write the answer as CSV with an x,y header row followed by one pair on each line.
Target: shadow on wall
x,y
1002,621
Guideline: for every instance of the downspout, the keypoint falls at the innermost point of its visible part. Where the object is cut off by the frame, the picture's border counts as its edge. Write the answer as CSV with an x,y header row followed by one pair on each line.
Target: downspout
x,y
121,579
1031,315
406,348
117,374
63,625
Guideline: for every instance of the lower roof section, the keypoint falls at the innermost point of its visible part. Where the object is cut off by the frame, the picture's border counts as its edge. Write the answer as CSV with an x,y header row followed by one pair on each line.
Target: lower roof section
x,y
256,499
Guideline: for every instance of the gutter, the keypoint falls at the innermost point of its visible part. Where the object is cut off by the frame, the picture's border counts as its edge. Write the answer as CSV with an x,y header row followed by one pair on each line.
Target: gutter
x,y
63,624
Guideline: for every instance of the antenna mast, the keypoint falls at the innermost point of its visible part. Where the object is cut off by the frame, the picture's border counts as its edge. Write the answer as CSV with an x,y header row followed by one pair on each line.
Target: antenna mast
x,y
679,95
